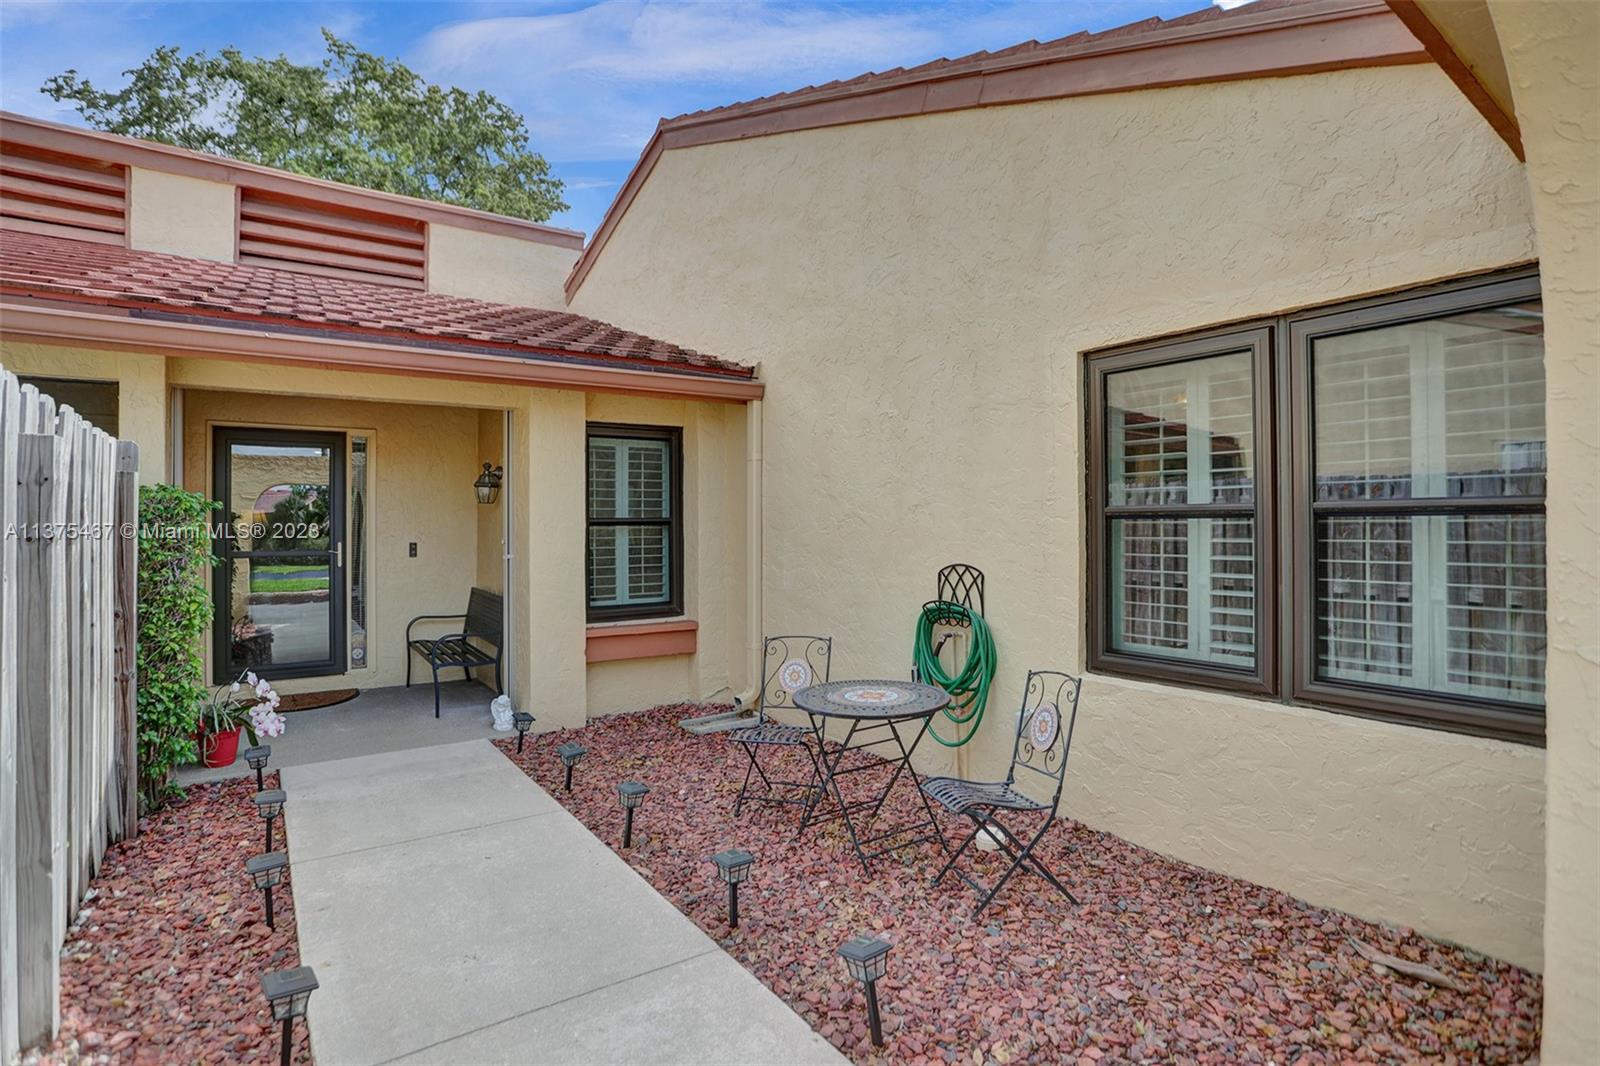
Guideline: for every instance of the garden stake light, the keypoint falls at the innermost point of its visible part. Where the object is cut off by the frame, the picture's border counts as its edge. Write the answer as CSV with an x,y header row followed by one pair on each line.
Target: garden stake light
x,y
570,753
632,794
288,991
734,866
267,871
257,758
524,722
270,805
867,959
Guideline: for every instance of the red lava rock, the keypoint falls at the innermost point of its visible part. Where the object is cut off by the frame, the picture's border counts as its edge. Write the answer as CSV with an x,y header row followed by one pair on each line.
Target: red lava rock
x,y
1163,962
163,965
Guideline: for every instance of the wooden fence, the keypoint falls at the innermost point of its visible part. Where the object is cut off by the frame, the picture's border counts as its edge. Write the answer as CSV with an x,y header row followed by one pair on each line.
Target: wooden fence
x,y
68,741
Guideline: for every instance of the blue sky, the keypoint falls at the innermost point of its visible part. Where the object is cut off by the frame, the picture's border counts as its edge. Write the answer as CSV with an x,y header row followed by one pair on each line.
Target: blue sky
x,y
591,79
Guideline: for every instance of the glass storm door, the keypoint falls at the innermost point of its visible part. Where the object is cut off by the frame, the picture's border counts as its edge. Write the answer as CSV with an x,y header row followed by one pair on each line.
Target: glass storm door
x,y
280,585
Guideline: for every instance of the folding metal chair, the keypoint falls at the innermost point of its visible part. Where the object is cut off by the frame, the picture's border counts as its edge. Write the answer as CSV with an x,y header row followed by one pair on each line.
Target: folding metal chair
x,y
789,664
1042,744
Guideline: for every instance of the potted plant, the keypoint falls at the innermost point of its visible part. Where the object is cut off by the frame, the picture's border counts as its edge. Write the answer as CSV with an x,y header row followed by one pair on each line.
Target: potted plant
x,y
248,704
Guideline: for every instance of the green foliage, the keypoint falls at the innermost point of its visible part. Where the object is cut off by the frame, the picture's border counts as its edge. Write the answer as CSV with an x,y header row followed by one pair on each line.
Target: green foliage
x,y
174,555
354,117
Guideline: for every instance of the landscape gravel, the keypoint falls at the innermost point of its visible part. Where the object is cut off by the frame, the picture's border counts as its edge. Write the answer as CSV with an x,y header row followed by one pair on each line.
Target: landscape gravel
x,y
163,964
1162,962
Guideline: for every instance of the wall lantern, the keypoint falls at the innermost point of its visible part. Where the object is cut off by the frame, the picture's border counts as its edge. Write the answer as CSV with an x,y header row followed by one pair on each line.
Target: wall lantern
x,y
632,794
488,483
867,959
734,866
269,805
257,758
569,754
267,871
289,991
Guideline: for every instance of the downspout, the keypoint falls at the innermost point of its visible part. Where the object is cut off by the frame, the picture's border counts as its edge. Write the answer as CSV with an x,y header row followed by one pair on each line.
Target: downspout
x,y
752,552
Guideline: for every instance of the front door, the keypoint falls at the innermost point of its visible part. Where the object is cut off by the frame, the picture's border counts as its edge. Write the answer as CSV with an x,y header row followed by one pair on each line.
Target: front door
x,y
280,585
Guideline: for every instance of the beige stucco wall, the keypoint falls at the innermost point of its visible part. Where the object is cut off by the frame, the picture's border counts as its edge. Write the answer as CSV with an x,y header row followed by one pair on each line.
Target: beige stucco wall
x,y
492,266
141,390
713,570
421,464
1552,51
181,215
919,293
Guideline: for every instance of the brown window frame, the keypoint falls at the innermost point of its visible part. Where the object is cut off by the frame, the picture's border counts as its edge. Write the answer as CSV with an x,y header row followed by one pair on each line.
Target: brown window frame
x,y
673,607
1286,630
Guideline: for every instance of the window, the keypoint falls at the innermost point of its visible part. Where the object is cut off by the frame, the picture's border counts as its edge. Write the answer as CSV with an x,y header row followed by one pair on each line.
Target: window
x,y
635,551
1343,507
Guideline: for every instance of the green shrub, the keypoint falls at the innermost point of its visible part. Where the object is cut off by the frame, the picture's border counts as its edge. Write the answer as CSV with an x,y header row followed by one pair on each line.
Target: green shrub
x,y
174,555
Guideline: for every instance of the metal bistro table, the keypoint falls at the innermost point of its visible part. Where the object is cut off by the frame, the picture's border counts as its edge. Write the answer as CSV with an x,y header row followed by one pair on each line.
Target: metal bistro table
x,y
876,711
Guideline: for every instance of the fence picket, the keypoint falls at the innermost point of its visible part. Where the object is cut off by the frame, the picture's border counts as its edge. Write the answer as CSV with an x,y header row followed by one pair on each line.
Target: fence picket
x,y
68,730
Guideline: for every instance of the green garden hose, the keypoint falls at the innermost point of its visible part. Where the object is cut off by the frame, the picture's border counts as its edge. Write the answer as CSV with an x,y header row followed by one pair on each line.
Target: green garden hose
x,y
969,688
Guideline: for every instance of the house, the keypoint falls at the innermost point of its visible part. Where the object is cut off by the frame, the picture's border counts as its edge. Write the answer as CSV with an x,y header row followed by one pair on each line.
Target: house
x,y
1225,346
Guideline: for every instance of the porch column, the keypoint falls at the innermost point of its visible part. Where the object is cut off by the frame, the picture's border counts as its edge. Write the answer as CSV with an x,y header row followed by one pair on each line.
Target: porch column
x,y
548,608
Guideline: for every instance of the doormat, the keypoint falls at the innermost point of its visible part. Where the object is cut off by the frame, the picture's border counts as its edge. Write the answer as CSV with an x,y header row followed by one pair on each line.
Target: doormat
x,y
311,701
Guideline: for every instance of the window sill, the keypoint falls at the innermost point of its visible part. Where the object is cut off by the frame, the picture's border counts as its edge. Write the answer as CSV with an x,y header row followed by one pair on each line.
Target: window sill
x,y
611,641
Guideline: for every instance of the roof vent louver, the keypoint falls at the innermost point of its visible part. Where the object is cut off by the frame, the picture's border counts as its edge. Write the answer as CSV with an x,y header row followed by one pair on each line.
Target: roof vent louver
x,y
312,238
62,195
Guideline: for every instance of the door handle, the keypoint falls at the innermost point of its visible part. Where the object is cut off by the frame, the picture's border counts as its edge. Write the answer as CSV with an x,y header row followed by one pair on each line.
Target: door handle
x,y
338,555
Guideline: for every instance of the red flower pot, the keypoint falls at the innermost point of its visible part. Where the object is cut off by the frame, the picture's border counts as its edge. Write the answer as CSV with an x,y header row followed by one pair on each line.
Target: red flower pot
x,y
219,749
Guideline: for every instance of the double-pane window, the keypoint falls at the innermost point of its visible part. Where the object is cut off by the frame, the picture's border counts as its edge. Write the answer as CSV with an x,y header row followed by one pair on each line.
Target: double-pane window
x,y
634,568
1344,506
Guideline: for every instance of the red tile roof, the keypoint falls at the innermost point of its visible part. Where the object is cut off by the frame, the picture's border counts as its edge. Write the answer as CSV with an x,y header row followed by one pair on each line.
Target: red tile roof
x,y
1031,51
58,268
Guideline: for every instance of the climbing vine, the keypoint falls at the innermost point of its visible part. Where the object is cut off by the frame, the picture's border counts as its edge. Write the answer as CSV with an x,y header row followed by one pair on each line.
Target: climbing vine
x,y
174,555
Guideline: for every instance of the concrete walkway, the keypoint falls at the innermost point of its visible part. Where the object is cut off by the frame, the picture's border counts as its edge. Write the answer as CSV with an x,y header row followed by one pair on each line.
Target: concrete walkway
x,y
455,913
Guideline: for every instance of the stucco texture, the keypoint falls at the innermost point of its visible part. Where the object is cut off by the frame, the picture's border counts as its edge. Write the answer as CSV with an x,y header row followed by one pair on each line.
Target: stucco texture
x,y
919,293
181,215
1552,51
141,381
490,266
422,462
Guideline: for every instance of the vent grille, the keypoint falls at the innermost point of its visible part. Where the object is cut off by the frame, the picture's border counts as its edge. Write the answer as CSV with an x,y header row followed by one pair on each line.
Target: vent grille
x,y
305,236
62,196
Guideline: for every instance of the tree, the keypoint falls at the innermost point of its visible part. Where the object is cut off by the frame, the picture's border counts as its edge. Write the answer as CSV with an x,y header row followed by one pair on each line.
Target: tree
x,y
354,117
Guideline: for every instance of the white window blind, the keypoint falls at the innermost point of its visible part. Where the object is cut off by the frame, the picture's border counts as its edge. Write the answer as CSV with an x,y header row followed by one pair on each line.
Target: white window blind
x,y
630,522
1183,584
1451,408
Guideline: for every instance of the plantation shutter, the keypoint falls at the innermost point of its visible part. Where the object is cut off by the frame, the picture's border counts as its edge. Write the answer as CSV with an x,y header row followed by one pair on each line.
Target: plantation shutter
x,y
630,522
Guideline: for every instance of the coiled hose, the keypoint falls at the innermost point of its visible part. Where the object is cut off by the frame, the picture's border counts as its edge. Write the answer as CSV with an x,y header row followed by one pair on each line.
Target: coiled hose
x,y
969,688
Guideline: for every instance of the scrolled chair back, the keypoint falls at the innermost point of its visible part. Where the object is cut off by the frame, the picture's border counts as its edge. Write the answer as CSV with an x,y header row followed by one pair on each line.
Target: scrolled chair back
x,y
1044,727
789,664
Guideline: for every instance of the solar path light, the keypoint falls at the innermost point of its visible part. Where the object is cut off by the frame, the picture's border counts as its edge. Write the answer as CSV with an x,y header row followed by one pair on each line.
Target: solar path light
x,y
257,758
570,753
734,866
632,794
288,991
867,959
267,871
270,804
524,722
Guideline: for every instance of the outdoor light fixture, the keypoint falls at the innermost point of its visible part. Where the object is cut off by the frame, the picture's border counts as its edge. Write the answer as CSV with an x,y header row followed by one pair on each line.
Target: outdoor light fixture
x,y
270,805
288,991
488,483
632,794
257,758
734,866
570,753
867,959
524,722
267,871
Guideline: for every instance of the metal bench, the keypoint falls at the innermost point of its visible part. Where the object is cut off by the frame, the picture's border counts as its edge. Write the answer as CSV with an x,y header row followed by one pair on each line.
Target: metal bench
x,y
483,620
